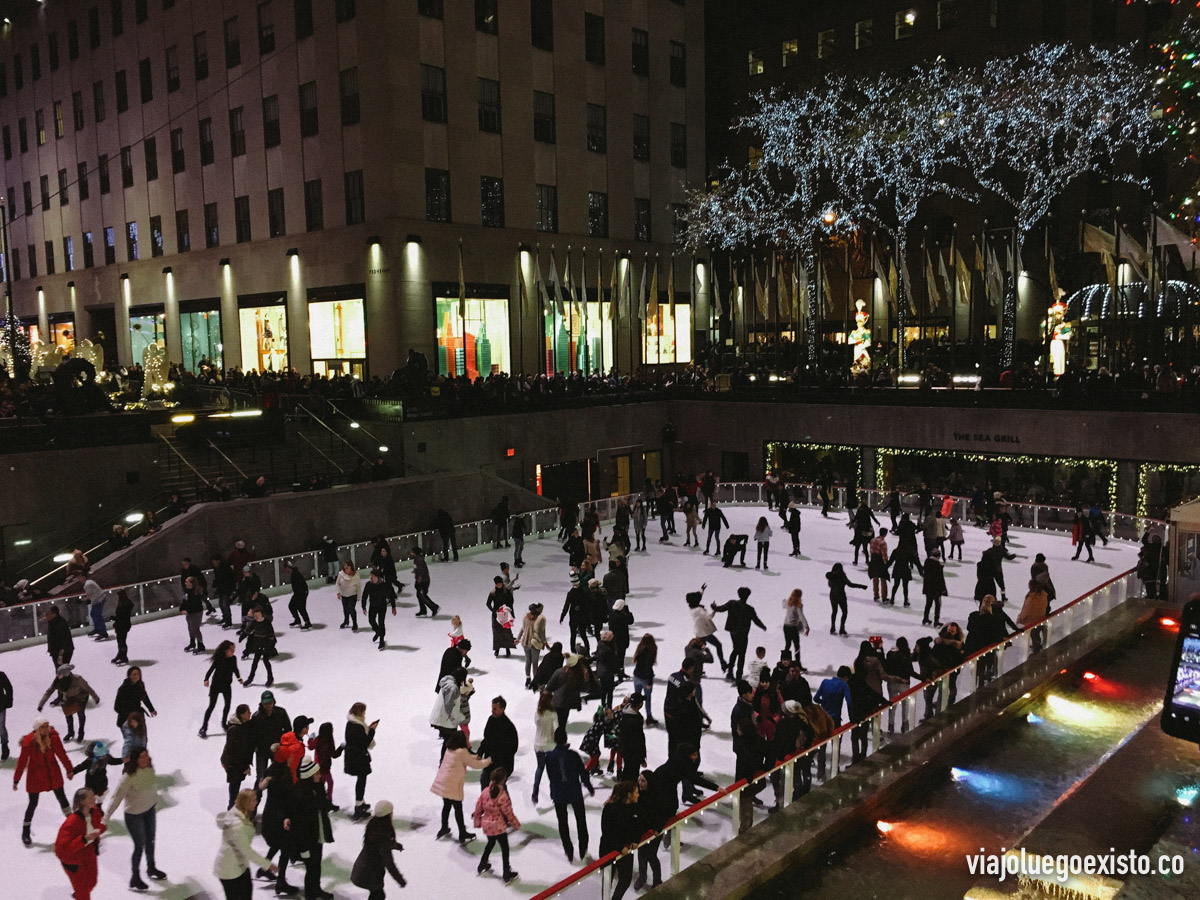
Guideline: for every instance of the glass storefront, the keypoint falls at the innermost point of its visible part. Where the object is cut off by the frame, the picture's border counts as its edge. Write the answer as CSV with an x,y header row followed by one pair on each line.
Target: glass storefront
x,y
263,329
200,331
338,336
668,334
146,328
479,349
580,342
62,333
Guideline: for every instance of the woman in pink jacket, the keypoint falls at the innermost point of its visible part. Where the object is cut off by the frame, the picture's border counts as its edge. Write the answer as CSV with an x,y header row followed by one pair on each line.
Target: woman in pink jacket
x,y
494,813
449,781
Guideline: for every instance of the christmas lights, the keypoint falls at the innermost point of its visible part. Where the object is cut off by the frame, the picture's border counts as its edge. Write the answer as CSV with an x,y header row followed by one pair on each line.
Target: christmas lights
x,y
774,449
1144,471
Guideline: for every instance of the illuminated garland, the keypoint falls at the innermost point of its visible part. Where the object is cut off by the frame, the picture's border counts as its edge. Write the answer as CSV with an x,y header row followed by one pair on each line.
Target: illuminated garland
x,y
1111,465
773,448
1144,469
1177,61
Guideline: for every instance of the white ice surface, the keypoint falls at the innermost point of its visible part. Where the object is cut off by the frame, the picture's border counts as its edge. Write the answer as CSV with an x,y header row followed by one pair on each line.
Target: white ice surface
x,y
321,672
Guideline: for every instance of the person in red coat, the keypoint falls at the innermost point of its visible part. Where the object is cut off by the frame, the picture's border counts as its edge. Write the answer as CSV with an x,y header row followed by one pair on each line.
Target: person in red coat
x,y
78,843
41,753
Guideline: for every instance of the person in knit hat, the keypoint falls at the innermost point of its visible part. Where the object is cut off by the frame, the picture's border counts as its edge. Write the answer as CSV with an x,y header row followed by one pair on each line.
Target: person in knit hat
x,y
375,858
41,753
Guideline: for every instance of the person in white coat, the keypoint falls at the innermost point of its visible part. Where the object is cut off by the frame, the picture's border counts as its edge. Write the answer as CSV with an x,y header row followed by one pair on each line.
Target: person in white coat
x,y
702,622
348,587
233,860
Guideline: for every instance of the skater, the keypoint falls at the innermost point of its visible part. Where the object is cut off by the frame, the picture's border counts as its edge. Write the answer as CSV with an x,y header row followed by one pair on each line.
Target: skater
x,y
862,523
122,623
793,527
328,549
449,781
59,643
421,583
578,607
6,702
620,827
192,607
375,858
278,784
903,562
1083,534
349,586
989,571
934,588
714,518
956,537
838,582
96,596
187,570
78,843
233,861
691,519
268,725
308,828
877,565
138,790
262,635
702,623
894,507
494,816
237,756
325,750
73,693
95,765
519,530
762,540
131,695
740,615
568,777
444,526
545,721
224,586
899,663
794,621
645,656
500,517
639,524
735,544
222,669
499,603
382,559
135,737
532,640
1035,608
298,605
39,760
377,594
500,741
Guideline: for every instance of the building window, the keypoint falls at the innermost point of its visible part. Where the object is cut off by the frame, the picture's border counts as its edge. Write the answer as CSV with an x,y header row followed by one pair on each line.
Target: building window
x,y
156,236
94,27
641,137
206,142
16,264
593,38
597,128
31,252
430,9
200,53
172,55
118,18
947,13
754,157
8,154
35,62
141,10
81,179
237,132
541,24
122,92
304,19
39,126
98,111
906,20
994,14
314,209
356,200
344,10
491,202
110,246
151,147
679,223
678,64
641,219
146,77
233,43
60,126
486,19
678,146
89,250
53,51
597,214
641,52
241,219
754,61
183,237
178,161
69,253
3,80
212,229
131,241
543,117
18,72
309,123
864,34
22,135
271,121
348,89
825,43
437,195
63,196
276,220
791,53
489,105
44,185
433,94
102,171
72,40
49,257
126,167
547,208
266,28
77,109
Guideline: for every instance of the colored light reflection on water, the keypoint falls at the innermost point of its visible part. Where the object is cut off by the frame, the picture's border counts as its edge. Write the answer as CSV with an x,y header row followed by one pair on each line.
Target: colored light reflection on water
x,y
996,787
1075,712
922,839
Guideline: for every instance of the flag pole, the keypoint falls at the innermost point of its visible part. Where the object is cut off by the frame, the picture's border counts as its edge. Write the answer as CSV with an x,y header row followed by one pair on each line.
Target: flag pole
x,y
953,299
520,311
600,302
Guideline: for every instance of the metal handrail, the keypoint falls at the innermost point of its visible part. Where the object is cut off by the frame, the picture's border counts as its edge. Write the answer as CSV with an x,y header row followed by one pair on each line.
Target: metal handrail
x,y
320,422
354,423
221,454
319,450
166,440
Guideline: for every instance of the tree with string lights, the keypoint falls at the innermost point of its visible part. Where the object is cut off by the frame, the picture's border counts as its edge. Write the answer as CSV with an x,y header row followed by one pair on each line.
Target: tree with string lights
x,y
1176,59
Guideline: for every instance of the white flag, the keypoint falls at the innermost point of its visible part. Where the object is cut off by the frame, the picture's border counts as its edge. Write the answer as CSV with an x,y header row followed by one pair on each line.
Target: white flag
x,y
642,292
556,289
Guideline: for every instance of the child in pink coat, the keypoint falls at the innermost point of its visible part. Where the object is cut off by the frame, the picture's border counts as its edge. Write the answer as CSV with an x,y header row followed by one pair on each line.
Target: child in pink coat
x,y
449,781
494,814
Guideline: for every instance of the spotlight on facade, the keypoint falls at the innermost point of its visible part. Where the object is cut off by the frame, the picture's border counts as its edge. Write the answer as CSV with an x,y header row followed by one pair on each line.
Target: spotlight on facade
x,y
292,251
413,239
224,261
124,277
166,270
383,448
62,558
373,240
134,518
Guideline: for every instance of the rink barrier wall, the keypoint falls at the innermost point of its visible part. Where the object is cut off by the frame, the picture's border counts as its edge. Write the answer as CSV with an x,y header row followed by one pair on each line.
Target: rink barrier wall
x,y
21,625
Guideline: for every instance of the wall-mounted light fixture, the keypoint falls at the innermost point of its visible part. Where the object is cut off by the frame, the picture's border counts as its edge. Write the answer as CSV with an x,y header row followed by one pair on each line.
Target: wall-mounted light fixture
x,y
224,261
374,239
166,270
292,251
414,239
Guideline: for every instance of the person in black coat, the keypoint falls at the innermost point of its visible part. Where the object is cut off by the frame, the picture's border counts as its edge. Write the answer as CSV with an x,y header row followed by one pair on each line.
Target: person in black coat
x,y
740,616
934,587
445,529
329,556
59,642
713,519
631,738
131,696
267,726
578,606
620,826
989,571
224,586
550,663
385,563
500,516
518,530
237,755
838,582
499,742
792,524
356,760
376,594
122,623
276,782
298,605
222,669
902,563
308,828
375,858
573,547
421,582
454,658
6,702
189,569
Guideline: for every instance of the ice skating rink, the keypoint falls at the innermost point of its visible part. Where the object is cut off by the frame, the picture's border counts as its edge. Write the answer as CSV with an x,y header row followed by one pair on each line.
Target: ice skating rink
x,y
320,673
